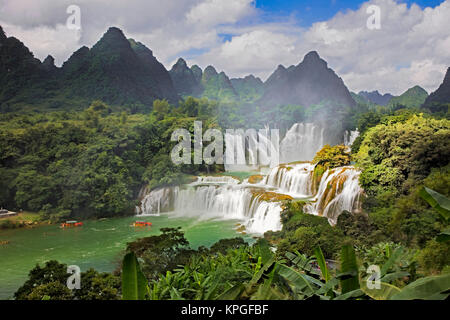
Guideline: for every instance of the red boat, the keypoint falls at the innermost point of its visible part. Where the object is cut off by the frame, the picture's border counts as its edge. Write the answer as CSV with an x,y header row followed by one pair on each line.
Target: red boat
x,y
142,224
70,224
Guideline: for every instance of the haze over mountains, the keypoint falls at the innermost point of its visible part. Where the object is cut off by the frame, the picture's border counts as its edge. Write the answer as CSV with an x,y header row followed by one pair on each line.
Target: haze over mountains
x,y
376,97
124,72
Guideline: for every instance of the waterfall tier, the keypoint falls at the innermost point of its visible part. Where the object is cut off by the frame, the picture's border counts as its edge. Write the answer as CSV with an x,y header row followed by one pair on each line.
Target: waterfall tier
x,y
231,202
338,190
301,142
259,205
350,137
293,179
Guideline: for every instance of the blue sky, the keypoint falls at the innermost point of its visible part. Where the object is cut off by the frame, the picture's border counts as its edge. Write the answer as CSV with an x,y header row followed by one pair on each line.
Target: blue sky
x,y
310,11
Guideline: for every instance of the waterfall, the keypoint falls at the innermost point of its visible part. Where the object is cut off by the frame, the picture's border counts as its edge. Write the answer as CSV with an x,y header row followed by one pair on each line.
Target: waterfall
x,y
338,190
226,201
301,142
155,202
295,180
250,150
229,202
350,137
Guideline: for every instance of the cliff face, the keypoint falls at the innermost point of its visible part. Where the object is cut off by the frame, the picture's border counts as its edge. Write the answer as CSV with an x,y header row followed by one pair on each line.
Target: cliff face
x,y
440,99
186,80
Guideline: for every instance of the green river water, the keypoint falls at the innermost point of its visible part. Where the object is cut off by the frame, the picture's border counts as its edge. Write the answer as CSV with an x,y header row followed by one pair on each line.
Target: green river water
x,y
98,244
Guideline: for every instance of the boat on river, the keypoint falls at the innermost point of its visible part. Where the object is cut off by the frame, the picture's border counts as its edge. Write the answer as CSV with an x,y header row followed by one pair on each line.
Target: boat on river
x,y
142,224
71,224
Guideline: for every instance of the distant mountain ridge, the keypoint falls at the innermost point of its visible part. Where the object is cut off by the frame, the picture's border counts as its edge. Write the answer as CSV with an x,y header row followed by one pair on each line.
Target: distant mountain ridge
x,y
122,71
309,83
116,70
376,97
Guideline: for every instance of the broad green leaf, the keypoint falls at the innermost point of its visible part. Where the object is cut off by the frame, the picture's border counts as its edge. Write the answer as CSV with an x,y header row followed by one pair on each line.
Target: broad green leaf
x,y
444,236
429,288
393,258
438,201
383,291
134,283
298,280
233,293
302,262
394,276
349,268
259,274
322,263
352,294
330,285
264,250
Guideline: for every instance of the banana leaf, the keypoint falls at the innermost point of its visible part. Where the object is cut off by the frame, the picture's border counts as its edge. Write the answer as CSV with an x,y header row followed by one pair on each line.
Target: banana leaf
x,y
134,283
394,276
438,201
429,288
349,270
394,256
233,293
444,236
322,263
299,281
384,292
352,294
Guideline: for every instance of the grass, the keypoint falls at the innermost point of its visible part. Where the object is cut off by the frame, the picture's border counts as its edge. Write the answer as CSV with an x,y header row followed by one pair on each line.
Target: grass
x,y
23,219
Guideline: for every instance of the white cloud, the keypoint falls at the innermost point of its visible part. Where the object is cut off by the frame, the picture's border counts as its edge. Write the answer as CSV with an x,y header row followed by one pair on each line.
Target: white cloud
x,y
67,40
215,12
412,47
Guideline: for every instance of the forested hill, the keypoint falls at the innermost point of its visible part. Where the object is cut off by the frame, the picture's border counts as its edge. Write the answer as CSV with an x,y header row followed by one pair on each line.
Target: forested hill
x,y
115,70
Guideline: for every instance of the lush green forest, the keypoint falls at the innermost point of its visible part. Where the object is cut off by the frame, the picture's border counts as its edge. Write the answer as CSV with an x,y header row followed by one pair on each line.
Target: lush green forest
x,y
400,228
92,163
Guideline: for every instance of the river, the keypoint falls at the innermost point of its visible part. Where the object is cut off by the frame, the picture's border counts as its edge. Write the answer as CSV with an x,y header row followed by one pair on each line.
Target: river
x,y
99,244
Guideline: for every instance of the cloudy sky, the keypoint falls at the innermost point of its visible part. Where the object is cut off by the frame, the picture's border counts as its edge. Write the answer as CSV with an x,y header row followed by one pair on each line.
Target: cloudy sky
x,y
241,37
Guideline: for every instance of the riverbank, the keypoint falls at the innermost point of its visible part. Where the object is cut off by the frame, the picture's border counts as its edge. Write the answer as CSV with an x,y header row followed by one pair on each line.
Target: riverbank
x,y
24,219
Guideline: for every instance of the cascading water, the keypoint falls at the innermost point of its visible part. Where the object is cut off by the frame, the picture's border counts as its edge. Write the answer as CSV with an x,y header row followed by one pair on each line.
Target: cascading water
x,y
301,142
338,191
293,179
225,197
155,202
232,202
350,137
